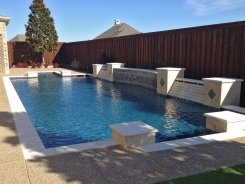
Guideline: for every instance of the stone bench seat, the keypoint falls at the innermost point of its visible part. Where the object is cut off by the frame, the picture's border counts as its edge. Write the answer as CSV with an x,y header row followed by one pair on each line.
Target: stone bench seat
x,y
133,133
225,121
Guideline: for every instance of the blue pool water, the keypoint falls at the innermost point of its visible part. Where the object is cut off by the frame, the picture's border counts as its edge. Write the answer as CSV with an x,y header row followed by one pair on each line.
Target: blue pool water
x,y
68,111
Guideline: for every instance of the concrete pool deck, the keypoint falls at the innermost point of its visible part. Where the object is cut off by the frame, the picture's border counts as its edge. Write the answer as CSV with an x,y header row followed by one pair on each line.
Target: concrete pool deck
x,y
107,165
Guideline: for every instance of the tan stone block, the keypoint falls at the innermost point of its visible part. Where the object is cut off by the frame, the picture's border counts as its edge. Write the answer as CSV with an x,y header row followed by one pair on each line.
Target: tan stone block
x,y
215,125
133,133
225,121
166,77
221,91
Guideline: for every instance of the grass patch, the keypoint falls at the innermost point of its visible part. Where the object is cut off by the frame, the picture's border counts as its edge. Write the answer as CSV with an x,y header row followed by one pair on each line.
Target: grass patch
x,y
229,175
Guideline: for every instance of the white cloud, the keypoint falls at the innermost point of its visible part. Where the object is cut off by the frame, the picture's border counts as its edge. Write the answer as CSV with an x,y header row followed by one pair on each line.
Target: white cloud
x,y
203,7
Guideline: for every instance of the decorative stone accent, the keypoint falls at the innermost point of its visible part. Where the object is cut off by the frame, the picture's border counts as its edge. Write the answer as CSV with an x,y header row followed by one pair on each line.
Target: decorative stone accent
x,y
106,72
4,62
221,91
133,133
166,77
111,67
140,77
96,69
211,94
225,121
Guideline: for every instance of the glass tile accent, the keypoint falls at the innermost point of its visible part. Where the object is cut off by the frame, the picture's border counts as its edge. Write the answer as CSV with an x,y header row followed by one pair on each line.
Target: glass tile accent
x,y
211,94
162,82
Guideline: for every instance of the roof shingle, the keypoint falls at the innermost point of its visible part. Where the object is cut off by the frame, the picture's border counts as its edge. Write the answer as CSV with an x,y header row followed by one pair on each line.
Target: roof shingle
x,y
118,30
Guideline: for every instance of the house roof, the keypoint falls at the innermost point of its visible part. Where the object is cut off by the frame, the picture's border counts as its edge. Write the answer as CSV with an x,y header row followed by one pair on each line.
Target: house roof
x,y
119,29
18,38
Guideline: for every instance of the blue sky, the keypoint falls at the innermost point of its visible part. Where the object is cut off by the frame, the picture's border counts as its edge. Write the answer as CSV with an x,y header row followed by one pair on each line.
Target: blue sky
x,y
78,20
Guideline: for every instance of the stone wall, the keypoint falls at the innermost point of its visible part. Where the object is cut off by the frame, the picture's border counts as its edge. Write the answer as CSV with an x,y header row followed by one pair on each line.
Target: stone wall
x,y
105,71
1,55
140,77
4,62
189,89
169,81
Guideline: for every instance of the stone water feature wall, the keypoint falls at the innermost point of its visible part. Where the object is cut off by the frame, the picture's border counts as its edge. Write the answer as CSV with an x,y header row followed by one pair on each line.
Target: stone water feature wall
x,y
190,89
168,81
140,77
4,62
214,92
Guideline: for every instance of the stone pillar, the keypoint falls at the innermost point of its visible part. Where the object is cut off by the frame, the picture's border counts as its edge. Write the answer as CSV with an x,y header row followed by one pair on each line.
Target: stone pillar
x,y
4,61
221,91
96,69
110,67
166,77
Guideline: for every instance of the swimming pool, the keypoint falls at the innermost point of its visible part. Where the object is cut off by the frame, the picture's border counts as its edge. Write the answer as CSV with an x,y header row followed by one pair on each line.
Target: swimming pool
x,y
74,110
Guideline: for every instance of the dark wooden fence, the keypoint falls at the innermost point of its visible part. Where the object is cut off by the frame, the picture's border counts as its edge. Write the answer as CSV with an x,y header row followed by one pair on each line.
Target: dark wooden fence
x,y
21,52
206,51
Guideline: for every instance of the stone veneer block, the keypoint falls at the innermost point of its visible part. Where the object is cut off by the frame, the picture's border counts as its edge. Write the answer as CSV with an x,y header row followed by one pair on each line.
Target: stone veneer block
x,y
166,77
96,69
221,91
105,72
133,133
4,61
111,67
225,121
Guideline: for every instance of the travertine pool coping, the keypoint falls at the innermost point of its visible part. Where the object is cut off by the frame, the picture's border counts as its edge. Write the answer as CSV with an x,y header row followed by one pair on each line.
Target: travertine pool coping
x,y
192,141
234,108
33,147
